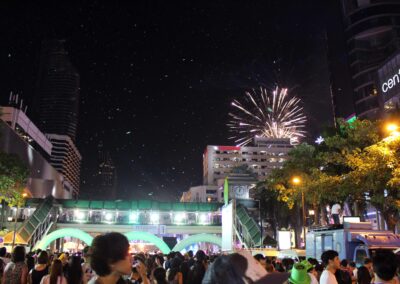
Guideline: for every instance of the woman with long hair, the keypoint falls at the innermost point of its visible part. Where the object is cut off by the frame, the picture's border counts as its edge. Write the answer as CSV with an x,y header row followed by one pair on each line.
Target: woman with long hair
x,y
160,275
16,271
74,272
56,274
175,275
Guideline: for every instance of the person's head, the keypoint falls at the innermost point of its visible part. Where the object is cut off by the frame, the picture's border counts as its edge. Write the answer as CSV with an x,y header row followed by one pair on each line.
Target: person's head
x,y
269,267
175,265
18,254
30,261
64,258
3,252
56,270
368,263
85,251
352,264
43,258
313,261
287,264
159,260
223,270
109,253
344,263
384,265
74,272
201,256
159,275
330,259
190,253
261,260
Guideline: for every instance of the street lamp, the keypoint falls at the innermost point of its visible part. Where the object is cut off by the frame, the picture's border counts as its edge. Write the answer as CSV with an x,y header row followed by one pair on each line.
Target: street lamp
x,y
297,181
24,195
393,130
391,127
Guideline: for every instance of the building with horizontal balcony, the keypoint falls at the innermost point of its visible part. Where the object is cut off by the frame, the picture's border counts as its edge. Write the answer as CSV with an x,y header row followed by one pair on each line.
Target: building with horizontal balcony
x,y
372,34
261,157
65,157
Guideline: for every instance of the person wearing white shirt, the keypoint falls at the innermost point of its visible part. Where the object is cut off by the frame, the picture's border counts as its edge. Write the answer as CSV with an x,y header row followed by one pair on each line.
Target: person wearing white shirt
x,y
330,259
336,208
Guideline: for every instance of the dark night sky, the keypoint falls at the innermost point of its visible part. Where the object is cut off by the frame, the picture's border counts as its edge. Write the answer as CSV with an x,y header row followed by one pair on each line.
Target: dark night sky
x,y
157,79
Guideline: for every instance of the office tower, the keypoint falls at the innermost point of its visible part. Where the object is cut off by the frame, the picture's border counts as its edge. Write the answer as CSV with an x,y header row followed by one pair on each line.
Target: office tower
x,y
56,108
106,180
372,35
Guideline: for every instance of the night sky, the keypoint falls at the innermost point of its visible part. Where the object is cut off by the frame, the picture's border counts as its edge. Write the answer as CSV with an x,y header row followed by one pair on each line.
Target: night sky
x,y
157,78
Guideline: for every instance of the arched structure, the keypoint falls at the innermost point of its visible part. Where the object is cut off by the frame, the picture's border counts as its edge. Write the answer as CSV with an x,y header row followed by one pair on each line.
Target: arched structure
x,y
199,238
66,232
144,236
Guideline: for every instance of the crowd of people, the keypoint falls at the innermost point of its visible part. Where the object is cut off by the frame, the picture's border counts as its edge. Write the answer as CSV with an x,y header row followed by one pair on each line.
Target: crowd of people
x,y
109,261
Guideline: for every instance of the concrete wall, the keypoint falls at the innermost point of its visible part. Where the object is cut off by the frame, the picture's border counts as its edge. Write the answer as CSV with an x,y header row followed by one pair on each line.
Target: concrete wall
x,y
43,179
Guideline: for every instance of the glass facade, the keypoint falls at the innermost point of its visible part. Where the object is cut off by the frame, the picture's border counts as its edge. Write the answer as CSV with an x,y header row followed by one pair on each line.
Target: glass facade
x,y
372,31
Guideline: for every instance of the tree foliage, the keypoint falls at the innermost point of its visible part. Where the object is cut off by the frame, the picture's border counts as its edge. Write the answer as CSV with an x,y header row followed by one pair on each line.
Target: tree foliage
x,y
355,164
13,176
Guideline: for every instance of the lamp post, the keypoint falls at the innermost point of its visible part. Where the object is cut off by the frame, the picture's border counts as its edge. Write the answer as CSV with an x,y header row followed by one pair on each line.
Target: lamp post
x,y
391,127
297,181
393,130
15,221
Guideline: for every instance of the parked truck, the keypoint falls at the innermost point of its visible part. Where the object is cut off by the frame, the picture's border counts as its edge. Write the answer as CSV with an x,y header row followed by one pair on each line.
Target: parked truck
x,y
353,241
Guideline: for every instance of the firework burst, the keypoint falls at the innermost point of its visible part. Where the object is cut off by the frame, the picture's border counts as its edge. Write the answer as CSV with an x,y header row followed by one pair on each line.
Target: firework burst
x,y
275,115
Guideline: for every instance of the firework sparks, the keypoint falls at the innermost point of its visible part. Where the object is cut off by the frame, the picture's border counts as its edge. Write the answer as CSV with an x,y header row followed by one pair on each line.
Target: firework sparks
x,y
275,115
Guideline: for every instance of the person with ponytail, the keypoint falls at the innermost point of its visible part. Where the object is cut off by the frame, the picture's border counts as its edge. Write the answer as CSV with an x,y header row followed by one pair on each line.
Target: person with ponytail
x,y
56,274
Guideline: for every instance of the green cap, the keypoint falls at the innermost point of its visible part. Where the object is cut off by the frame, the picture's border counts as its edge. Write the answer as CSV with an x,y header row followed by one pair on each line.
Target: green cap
x,y
299,274
307,264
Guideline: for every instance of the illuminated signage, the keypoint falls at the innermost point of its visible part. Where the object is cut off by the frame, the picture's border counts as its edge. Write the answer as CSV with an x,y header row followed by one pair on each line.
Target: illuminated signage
x,y
391,82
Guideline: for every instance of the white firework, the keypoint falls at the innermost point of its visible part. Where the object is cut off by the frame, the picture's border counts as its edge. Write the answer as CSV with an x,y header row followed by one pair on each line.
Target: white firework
x,y
275,115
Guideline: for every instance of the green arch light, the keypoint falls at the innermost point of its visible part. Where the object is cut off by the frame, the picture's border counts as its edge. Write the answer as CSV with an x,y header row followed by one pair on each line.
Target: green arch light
x,y
198,238
66,232
144,236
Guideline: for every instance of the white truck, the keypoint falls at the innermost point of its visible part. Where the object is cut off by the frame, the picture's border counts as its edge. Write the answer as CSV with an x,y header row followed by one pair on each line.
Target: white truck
x,y
353,241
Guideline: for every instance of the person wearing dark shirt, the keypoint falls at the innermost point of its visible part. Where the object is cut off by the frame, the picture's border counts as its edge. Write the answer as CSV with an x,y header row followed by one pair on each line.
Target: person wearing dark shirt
x,y
40,270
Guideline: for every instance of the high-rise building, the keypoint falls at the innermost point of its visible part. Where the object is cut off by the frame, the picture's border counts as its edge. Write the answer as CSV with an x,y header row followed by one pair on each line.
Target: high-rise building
x,y
339,75
66,158
56,107
57,91
265,155
106,175
372,35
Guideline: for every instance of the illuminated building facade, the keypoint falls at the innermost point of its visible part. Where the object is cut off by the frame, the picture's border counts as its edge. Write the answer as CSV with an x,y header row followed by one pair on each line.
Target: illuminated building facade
x,y
20,136
265,155
372,35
